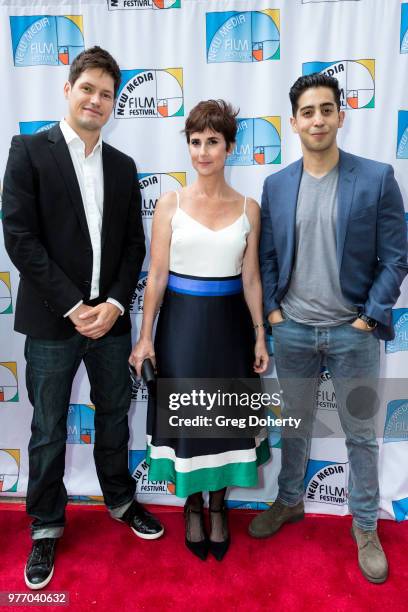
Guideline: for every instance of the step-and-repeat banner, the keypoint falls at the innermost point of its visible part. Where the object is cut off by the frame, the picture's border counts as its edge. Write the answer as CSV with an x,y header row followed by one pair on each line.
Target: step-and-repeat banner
x,y
172,54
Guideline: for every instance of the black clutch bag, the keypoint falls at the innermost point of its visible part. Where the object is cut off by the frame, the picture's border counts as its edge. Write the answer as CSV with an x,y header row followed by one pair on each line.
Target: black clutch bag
x,y
148,375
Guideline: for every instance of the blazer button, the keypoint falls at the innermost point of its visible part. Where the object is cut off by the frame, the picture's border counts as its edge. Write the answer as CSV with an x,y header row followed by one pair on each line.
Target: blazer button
x,y
46,303
86,283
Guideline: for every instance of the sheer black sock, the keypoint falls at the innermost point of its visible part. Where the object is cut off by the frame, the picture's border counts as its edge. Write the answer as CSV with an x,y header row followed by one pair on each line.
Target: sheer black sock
x,y
219,526
194,524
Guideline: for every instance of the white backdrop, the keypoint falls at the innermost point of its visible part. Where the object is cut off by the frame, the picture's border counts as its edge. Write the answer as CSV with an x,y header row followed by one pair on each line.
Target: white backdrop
x,y
174,53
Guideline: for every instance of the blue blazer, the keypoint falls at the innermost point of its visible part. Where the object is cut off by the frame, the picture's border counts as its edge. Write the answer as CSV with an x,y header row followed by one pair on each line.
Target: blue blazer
x,y
371,236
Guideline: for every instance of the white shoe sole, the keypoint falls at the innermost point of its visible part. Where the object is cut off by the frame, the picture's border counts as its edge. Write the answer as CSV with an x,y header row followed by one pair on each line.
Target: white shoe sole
x,y
143,536
148,536
40,585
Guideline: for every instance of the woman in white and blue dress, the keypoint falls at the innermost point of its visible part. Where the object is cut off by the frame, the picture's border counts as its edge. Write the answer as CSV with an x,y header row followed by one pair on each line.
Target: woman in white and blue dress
x,y
204,277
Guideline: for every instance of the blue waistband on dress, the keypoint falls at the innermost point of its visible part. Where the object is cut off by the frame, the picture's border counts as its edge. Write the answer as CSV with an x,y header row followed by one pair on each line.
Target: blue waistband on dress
x,y
196,286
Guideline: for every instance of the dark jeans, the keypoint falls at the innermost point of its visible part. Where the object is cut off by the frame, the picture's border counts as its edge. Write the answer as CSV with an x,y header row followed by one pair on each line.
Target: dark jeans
x,y
51,367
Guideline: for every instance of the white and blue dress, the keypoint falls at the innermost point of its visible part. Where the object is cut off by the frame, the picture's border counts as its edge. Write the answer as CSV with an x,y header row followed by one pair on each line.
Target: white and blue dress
x,y
204,330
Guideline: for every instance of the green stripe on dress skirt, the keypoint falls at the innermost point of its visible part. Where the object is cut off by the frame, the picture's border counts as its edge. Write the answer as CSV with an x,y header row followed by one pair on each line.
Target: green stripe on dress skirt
x,y
242,474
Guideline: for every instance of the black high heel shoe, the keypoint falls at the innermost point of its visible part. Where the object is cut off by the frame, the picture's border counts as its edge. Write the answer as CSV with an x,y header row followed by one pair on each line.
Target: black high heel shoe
x,y
218,549
199,548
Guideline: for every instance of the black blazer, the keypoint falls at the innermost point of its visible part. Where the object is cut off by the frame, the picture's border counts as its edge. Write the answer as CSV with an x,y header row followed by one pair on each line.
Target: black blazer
x,y
46,233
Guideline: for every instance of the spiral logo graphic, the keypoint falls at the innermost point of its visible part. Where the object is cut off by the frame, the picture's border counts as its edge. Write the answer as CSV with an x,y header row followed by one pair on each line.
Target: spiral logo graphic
x,y
35,127
258,142
355,77
247,36
153,184
146,93
8,381
402,138
6,301
9,469
140,5
46,39
80,424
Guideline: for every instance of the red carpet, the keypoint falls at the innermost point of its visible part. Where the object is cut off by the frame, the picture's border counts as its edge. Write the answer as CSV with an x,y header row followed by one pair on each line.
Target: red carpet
x,y
308,566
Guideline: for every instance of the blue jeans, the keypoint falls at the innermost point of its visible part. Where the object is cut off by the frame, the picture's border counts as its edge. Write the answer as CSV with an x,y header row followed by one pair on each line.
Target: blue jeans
x,y
51,367
349,353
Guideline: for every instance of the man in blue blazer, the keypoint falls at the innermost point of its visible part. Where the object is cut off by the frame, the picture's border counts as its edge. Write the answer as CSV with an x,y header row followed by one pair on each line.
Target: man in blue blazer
x,y
333,257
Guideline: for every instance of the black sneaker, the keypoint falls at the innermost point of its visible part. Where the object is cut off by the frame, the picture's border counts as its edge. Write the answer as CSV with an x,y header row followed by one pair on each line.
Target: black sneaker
x,y
142,522
40,565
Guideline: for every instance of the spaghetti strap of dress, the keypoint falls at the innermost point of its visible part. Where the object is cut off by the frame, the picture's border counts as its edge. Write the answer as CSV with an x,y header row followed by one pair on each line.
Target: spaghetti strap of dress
x,y
245,203
178,199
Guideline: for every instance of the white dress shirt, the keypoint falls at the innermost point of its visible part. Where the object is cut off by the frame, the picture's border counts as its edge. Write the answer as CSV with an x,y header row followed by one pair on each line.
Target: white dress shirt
x,y
89,172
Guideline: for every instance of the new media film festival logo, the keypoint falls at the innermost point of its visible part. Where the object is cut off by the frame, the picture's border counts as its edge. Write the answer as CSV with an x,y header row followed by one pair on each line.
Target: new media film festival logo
x,y
35,127
404,28
139,389
139,392
139,470
46,40
356,80
6,300
402,138
146,93
396,421
247,36
8,381
9,469
325,395
153,185
81,424
118,5
136,304
326,482
246,505
400,508
258,142
400,322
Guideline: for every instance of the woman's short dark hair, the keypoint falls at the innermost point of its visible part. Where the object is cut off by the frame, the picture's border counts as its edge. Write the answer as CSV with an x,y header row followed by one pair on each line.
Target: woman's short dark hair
x,y
95,57
316,79
216,115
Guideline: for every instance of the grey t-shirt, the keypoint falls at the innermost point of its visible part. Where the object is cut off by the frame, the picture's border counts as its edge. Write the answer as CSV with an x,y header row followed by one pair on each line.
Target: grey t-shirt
x,y
314,296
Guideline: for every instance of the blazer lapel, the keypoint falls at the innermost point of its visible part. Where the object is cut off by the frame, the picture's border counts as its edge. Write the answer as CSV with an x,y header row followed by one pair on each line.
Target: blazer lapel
x,y
345,192
60,150
290,205
109,177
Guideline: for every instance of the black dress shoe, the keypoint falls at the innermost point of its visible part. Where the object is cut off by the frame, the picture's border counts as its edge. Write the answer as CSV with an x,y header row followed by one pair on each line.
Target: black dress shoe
x,y
142,522
218,549
40,565
200,547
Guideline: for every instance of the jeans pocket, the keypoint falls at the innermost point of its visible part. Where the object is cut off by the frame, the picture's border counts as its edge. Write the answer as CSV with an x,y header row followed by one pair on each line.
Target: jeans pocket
x,y
284,320
277,325
360,331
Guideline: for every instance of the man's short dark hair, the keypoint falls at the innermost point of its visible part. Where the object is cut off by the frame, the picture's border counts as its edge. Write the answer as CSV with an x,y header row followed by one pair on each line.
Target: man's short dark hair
x,y
316,79
95,57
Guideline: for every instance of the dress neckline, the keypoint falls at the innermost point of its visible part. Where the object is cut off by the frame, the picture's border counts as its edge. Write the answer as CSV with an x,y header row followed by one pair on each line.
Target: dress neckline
x,y
209,228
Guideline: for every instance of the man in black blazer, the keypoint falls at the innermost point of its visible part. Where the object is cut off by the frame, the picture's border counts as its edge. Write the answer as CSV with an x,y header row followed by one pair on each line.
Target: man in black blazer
x,y
72,227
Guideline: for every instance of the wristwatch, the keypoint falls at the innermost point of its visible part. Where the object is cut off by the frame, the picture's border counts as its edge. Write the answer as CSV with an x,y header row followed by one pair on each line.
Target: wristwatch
x,y
371,323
